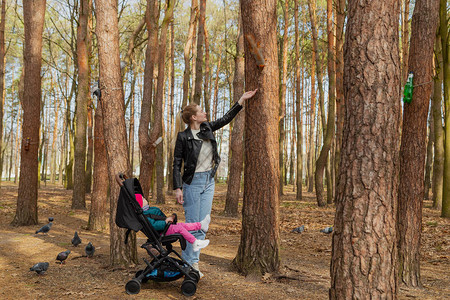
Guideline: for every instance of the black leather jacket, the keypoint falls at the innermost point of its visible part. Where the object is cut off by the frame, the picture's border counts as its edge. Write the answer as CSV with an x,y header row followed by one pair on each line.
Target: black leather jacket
x,y
187,148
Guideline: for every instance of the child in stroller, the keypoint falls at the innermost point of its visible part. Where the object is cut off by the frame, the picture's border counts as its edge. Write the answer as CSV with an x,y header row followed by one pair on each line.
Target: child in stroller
x,y
159,221
166,264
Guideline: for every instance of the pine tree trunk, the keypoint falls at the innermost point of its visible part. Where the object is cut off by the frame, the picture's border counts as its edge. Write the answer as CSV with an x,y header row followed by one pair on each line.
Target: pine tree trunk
x,y
145,142
2,73
429,158
405,40
363,247
98,218
171,136
413,146
298,107
443,30
436,106
340,101
114,128
312,117
79,190
259,248
26,211
199,58
55,137
187,51
90,145
207,82
237,142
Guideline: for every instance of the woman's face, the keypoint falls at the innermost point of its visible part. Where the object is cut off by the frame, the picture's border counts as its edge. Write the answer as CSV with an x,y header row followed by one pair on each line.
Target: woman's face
x,y
200,116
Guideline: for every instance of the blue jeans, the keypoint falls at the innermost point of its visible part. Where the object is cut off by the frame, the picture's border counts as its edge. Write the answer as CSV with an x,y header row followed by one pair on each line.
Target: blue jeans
x,y
198,197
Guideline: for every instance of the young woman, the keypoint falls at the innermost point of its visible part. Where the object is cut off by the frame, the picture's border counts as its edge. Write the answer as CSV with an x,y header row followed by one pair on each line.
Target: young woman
x,y
197,148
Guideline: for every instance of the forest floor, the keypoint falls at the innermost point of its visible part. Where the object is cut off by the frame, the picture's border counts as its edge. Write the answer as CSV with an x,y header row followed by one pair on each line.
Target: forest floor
x,y
305,257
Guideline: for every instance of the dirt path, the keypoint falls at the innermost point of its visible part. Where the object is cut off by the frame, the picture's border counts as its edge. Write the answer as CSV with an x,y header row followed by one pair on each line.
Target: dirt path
x,y
305,257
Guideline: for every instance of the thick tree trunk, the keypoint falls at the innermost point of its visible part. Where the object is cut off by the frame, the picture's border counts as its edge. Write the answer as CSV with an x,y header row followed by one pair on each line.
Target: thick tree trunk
x,y
260,240
237,142
363,247
98,218
187,50
145,142
436,107
26,211
443,30
298,107
114,128
413,146
199,58
79,190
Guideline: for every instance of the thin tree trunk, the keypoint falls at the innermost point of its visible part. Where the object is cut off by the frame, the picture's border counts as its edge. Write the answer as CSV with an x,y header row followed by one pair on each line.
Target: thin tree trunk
x,y
413,146
429,157
237,143
312,120
170,140
199,58
298,106
90,145
405,40
436,106
363,247
26,210
206,91
187,50
259,248
114,128
55,137
2,74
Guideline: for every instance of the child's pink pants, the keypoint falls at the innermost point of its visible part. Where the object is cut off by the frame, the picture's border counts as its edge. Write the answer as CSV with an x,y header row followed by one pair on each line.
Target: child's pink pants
x,y
183,229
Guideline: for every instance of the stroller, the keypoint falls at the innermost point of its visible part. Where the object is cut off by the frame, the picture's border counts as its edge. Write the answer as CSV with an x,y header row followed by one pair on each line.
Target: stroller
x,y
163,266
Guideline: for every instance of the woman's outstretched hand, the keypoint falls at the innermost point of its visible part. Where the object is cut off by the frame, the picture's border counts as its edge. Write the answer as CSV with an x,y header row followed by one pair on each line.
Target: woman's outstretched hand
x,y
247,95
179,196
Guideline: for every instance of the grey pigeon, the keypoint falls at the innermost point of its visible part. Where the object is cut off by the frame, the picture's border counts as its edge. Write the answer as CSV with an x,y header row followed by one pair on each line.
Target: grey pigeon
x,y
62,256
89,249
327,230
76,239
299,229
45,228
40,268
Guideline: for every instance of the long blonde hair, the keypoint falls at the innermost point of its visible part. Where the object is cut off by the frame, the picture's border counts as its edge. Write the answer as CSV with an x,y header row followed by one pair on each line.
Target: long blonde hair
x,y
184,116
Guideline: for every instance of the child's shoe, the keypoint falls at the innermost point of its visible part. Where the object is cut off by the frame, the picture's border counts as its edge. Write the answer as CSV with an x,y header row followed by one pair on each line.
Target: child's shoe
x,y
205,223
199,244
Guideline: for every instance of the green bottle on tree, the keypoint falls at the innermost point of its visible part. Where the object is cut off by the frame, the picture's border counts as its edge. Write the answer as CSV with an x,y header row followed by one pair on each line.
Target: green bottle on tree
x,y
408,90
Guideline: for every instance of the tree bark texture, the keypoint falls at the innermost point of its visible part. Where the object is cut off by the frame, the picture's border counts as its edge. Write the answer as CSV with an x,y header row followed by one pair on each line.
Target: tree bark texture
x,y
171,134
436,106
187,50
114,129
26,212
97,215
298,107
413,142
79,191
2,73
260,240
199,58
429,157
363,247
237,134
443,30
145,141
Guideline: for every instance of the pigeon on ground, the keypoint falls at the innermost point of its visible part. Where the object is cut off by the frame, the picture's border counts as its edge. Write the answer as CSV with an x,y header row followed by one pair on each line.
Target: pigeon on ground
x,y
76,239
327,230
45,228
40,268
62,256
89,249
50,219
299,229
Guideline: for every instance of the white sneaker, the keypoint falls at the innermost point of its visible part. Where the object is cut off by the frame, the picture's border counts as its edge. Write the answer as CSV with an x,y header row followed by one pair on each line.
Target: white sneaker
x,y
199,244
195,267
205,223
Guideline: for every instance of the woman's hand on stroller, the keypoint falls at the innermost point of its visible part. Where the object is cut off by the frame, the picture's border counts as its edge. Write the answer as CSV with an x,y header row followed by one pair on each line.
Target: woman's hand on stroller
x,y
179,196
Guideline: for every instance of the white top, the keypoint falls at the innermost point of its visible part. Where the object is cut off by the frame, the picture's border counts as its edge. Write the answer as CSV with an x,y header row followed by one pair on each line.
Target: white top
x,y
205,158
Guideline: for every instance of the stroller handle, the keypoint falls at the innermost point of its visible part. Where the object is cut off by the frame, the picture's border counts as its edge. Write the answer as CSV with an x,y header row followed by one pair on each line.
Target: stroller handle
x,y
120,178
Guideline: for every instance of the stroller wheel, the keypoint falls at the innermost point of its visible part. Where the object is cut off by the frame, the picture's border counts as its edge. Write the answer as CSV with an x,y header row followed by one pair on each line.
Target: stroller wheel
x,y
144,279
133,287
195,276
189,287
